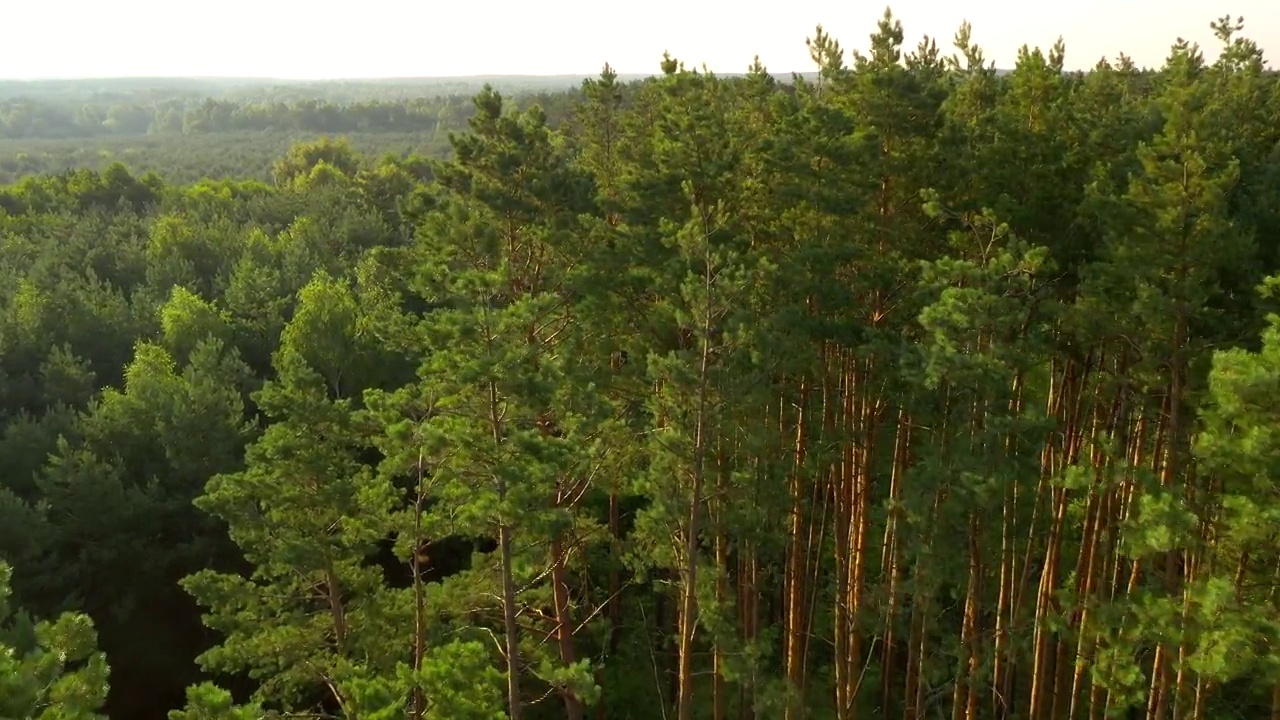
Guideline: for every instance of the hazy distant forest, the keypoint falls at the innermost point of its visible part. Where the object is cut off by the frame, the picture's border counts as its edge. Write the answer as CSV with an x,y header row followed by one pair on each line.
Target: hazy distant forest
x,y
188,130
907,389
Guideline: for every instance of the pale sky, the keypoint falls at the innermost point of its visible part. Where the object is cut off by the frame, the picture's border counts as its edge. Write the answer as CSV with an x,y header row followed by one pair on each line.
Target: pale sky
x,y
416,38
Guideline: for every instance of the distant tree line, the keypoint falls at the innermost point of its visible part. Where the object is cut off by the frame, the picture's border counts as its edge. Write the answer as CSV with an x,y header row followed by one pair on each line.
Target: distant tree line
x,y
54,118
191,158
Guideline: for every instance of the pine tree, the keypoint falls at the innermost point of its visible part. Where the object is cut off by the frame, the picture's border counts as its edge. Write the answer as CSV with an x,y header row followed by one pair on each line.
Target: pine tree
x,y
50,670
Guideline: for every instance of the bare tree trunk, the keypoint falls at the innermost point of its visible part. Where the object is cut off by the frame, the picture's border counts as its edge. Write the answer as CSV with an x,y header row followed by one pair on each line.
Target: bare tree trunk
x,y
515,704
964,697
864,453
795,630
689,601
842,489
1066,402
564,623
718,699
1004,600
419,602
890,562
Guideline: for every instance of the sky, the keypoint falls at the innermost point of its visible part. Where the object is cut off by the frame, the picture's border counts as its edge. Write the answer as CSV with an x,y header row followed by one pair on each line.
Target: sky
x,y
293,39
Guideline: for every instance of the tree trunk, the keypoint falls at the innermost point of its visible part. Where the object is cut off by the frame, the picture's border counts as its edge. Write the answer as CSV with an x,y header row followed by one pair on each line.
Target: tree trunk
x,y
689,599
718,698
796,570
564,623
514,703
966,668
419,601
615,576
795,630
749,617
1002,657
890,564
843,491
1067,403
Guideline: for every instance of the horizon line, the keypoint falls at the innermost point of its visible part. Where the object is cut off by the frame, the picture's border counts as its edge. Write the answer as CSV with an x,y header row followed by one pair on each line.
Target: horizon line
x,y
368,78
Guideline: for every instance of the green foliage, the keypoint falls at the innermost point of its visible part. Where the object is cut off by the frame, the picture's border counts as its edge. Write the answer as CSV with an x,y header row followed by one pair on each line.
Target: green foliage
x,y
49,671
312,163
209,702
908,387
187,319
459,681
306,514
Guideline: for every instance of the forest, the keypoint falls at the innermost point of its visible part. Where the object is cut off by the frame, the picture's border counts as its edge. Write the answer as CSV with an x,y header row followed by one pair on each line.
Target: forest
x,y
189,130
142,106
908,388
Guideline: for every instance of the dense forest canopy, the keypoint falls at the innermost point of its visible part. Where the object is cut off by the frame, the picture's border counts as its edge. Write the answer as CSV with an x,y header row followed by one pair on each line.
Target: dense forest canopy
x,y
909,389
